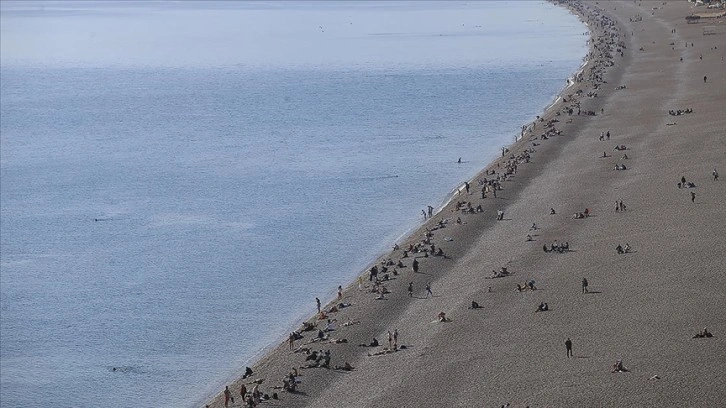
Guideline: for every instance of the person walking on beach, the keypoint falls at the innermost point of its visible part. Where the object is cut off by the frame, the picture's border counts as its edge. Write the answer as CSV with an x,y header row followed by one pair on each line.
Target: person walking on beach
x,y
568,347
424,214
715,175
340,292
390,340
410,289
693,197
428,290
291,340
584,285
395,339
317,301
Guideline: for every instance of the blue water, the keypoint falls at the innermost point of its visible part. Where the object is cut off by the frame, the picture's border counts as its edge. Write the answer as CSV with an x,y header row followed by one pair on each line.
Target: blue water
x,y
172,180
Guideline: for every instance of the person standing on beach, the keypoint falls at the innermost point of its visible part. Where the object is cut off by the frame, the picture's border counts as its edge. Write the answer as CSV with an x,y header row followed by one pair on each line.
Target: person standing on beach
x,y
227,396
291,340
395,339
584,285
317,301
693,197
428,290
424,214
340,292
714,173
390,340
410,289
568,347
415,266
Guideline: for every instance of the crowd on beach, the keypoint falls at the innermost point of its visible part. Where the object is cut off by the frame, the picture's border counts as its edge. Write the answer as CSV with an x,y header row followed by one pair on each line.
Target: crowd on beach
x,y
383,279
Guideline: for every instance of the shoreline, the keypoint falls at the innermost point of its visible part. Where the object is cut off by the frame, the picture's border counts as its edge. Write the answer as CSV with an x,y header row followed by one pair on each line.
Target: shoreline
x,y
411,232
271,361
549,110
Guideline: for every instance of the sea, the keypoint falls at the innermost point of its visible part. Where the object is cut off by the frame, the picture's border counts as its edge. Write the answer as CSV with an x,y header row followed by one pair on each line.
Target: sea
x,y
180,180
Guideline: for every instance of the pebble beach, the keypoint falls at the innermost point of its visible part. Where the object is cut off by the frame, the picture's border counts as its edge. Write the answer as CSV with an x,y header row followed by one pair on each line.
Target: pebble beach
x,y
603,168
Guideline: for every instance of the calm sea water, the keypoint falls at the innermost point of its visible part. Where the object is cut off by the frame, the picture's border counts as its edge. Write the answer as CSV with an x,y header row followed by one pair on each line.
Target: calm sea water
x,y
173,175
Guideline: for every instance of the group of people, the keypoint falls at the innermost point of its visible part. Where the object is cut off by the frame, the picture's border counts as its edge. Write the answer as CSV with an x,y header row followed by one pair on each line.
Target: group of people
x,y
679,112
529,285
557,247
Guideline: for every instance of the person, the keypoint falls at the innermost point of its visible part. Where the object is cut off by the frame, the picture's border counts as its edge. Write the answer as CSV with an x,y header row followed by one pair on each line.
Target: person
x,y
541,308
442,317
373,343
618,367
346,367
703,334
415,266
395,339
619,249
410,289
248,373
568,347
317,302
291,340
693,197
626,248
428,290
242,391
227,396
584,285
552,211
390,340
474,305
715,175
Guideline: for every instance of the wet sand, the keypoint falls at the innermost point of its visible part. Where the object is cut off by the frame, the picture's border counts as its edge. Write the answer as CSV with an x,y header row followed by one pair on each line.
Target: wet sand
x,y
643,307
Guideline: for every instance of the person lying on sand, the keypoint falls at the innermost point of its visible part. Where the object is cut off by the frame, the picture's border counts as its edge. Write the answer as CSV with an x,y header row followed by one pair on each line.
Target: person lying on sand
x,y
382,352
345,367
373,343
619,368
475,305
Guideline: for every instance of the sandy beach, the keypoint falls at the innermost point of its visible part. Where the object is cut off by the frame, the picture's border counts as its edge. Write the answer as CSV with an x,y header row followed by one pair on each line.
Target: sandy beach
x,y
642,306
